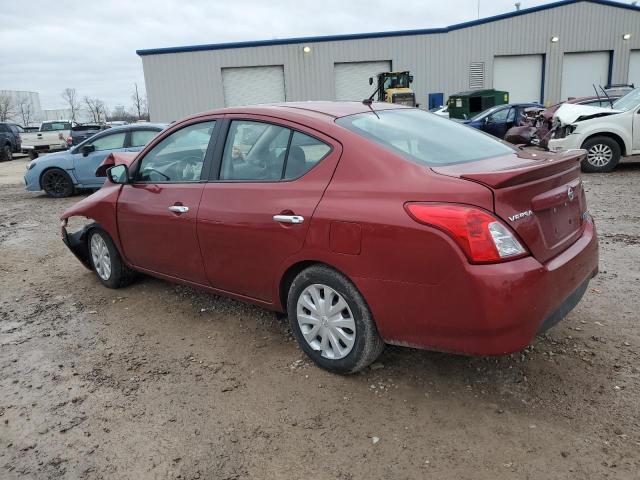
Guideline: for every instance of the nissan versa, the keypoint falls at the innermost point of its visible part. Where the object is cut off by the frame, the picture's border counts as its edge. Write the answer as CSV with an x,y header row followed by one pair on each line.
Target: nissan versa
x,y
366,224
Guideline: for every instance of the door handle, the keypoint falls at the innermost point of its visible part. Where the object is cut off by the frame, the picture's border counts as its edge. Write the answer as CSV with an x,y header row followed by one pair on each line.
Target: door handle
x,y
178,209
288,218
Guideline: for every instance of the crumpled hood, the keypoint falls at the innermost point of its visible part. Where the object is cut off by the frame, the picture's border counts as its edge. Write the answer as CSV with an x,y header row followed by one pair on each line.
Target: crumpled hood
x,y
569,113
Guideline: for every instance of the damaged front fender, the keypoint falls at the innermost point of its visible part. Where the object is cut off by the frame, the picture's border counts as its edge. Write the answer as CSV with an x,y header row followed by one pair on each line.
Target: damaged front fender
x,y
101,209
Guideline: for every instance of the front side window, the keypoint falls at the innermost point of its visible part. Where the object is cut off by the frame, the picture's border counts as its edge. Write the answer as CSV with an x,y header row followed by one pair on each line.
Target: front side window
x,y
139,138
178,157
109,142
257,151
424,138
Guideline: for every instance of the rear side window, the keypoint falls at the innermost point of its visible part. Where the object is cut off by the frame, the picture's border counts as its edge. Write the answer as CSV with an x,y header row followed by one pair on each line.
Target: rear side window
x,y
139,138
258,151
423,137
304,153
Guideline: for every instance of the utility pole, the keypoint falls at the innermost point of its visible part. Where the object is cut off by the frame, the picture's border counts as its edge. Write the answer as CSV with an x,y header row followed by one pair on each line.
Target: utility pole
x,y
478,9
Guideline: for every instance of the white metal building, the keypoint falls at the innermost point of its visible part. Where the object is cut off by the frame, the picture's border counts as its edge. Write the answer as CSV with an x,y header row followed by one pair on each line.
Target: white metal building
x,y
545,53
21,101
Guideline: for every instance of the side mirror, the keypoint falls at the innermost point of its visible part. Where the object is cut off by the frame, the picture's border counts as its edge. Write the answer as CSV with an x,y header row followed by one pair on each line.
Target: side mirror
x,y
118,174
370,80
87,149
410,78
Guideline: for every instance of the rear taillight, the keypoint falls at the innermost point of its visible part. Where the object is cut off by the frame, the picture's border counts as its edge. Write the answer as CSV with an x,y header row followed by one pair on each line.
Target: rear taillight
x,y
481,236
69,141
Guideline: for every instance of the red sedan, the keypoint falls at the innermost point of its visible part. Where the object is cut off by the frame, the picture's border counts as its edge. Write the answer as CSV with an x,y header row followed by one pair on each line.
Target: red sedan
x,y
366,225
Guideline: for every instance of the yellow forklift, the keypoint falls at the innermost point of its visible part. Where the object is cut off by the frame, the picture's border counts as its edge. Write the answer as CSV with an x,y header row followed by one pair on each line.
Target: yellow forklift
x,y
393,87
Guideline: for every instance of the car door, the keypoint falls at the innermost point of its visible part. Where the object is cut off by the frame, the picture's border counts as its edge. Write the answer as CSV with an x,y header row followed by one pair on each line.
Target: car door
x,y
139,137
255,214
86,162
497,122
157,210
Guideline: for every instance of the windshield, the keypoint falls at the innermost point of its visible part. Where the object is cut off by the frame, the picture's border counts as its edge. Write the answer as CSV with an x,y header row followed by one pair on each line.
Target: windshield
x,y
396,81
629,101
425,138
484,113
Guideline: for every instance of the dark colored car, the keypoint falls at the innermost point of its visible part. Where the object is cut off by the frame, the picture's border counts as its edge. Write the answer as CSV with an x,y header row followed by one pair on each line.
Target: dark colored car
x,y
498,120
10,141
80,132
365,226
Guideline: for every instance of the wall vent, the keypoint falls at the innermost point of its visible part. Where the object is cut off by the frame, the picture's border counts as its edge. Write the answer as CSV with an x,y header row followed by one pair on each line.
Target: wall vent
x,y
476,75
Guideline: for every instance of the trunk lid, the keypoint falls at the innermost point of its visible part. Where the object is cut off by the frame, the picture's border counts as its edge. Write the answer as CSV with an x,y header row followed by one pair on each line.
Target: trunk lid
x,y
538,194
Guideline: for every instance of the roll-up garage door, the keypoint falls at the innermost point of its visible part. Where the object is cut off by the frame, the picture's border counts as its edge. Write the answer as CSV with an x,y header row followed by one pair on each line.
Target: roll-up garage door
x,y
520,75
581,71
352,79
634,67
253,85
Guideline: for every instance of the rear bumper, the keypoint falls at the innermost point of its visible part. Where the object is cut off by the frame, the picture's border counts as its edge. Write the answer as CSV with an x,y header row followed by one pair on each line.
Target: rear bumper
x,y
486,309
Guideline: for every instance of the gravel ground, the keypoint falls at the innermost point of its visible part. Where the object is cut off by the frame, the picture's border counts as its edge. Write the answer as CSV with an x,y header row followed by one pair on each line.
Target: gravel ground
x,y
162,381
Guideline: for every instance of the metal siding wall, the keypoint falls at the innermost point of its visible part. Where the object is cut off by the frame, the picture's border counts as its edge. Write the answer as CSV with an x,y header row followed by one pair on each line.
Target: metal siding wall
x,y
179,84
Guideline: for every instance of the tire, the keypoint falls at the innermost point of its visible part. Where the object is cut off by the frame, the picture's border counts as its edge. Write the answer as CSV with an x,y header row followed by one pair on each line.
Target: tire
x,y
603,154
33,154
57,183
352,339
5,153
106,260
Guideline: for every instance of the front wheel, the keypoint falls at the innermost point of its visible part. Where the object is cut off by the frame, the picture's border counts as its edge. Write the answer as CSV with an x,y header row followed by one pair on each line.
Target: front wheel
x,y
57,183
603,154
332,321
5,153
106,261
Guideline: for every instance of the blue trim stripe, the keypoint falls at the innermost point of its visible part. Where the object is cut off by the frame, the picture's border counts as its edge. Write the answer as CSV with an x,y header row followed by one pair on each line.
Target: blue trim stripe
x,y
360,36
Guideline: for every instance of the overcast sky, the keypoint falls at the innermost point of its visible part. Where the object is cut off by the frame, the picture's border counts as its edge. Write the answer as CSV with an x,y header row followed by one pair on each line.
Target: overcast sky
x,y
90,45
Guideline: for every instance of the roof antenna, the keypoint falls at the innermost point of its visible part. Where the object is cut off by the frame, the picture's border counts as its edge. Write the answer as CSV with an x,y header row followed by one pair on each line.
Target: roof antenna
x,y
369,101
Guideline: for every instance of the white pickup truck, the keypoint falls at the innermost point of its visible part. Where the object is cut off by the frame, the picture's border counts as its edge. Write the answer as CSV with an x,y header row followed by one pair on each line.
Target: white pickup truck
x,y
51,136
607,134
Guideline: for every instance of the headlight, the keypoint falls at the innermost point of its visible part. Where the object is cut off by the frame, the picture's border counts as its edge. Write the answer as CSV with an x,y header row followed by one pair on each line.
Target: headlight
x,y
31,164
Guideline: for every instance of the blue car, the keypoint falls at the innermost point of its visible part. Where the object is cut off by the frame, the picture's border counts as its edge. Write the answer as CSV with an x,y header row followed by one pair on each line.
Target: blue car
x,y
497,120
60,174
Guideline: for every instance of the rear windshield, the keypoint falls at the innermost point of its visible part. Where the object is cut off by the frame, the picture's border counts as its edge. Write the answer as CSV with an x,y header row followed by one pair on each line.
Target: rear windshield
x,y
424,137
47,127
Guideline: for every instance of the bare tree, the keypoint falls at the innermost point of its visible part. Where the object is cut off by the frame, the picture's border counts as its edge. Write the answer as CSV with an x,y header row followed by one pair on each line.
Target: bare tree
x,y
25,108
70,96
7,107
97,108
139,103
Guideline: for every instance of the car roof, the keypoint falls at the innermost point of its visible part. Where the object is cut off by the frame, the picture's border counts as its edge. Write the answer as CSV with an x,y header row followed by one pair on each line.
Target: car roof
x,y
136,126
327,110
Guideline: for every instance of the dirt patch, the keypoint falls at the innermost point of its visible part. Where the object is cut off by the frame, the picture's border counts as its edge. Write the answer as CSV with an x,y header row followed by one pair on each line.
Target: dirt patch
x,y
161,381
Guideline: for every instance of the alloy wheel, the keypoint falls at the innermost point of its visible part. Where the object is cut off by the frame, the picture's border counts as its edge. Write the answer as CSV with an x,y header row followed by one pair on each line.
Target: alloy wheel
x,y
55,183
100,256
326,321
600,155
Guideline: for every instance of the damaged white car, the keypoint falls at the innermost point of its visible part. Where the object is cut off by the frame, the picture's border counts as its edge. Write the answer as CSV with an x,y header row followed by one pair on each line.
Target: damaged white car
x,y
608,134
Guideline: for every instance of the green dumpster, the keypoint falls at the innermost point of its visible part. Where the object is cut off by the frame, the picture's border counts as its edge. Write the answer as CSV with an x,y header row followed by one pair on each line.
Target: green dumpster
x,y
467,104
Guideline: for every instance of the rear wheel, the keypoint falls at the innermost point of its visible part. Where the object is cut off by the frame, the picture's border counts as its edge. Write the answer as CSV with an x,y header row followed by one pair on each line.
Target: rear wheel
x,y
332,321
33,154
5,153
603,154
57,183
106,261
